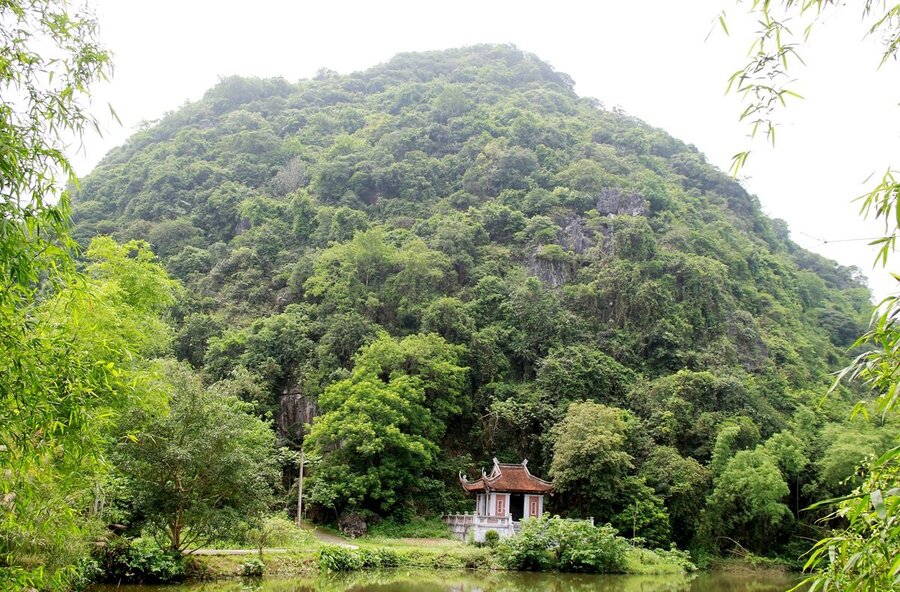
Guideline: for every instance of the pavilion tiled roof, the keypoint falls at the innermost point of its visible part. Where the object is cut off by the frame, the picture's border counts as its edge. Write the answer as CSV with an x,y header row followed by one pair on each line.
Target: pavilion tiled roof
x,y
507,478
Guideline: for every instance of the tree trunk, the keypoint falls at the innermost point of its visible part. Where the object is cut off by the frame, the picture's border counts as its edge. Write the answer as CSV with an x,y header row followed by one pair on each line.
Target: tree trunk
x,y
300,490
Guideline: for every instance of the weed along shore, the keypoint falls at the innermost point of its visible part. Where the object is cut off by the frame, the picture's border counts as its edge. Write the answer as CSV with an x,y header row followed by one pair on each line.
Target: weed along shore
x,y
548,544
424,554
441,565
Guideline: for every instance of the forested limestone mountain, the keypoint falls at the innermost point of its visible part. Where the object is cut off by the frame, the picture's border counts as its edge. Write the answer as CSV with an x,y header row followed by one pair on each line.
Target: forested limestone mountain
x,y
452,256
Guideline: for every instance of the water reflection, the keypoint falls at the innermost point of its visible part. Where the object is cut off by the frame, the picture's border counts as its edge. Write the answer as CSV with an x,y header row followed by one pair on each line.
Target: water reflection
x,y
474,581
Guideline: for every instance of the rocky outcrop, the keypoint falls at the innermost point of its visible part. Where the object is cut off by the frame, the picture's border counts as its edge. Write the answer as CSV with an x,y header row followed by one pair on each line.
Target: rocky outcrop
x,y
551,270
575,236
613,201
294,411
555,264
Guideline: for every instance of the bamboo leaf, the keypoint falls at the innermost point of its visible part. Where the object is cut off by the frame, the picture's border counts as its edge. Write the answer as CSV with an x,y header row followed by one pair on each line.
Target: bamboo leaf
x,y
878,503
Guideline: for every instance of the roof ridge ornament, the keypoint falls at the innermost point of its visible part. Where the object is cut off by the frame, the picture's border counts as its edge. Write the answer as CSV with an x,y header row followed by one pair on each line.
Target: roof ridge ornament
x,y
509,478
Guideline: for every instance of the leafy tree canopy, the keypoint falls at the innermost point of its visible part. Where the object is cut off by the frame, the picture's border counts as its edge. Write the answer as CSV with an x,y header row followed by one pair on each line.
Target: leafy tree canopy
x,y
199,470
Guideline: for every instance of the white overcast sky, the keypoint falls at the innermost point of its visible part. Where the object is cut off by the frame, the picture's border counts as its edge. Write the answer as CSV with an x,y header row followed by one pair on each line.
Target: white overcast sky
x,y
652,58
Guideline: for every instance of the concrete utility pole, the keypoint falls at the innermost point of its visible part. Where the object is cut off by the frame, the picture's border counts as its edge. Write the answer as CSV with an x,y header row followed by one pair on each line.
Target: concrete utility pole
x,y
300,490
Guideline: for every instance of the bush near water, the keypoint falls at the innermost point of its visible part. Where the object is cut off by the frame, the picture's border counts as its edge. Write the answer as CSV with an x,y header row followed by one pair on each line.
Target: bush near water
x,y
553,544
137,562
543,544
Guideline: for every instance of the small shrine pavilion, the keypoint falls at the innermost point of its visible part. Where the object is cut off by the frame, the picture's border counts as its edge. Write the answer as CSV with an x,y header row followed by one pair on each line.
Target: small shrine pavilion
x,y
502,498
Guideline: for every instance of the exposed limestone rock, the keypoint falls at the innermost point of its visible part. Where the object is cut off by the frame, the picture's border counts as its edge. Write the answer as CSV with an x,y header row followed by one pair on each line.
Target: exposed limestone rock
x,y
613,201
550,264
294,411
575,236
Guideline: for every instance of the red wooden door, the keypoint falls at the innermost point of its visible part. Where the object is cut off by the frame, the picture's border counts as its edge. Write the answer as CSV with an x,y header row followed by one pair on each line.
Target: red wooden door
x,y
533,506
501,505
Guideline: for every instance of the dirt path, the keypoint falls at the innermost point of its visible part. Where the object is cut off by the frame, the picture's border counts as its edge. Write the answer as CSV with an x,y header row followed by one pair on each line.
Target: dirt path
x,y
327,537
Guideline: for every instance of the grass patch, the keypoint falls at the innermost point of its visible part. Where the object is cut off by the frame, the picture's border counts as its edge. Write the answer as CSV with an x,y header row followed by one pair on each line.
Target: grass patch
x,y
408,543
217,567
422,528
658,562
274,531
378,550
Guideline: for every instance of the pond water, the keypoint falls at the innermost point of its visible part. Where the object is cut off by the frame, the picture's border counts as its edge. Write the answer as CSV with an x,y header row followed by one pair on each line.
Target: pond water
x,y
475,581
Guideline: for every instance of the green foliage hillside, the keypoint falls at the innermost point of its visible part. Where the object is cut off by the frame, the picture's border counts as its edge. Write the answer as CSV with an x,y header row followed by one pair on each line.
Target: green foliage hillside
x,y
438,256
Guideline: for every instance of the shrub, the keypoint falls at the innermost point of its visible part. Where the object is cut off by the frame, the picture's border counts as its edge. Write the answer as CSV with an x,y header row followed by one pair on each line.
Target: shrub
x,y
87,571
139,561
374,558
418,558
334,558
659,562
678,557
253,568
530,549
277,531
491,538
382,557
583,547
337,558
546,544
447,561
480,559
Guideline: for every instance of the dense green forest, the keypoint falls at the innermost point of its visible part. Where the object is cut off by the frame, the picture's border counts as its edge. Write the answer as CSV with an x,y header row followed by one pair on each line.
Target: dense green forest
x,y
452,256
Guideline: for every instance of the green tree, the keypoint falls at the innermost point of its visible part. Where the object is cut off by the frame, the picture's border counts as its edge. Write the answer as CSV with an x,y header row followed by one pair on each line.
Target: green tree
x,y
746,503
420,275
682,483
536,320
790,454
639,260
349,276
73,365
51,56
375,440
500,166
591,455
194,335
202,469
643,514
847,446
343,336
449,318
580,372
735,435
788,451
429,360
